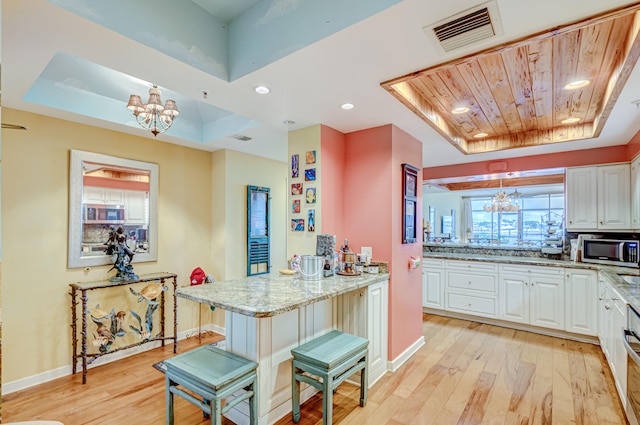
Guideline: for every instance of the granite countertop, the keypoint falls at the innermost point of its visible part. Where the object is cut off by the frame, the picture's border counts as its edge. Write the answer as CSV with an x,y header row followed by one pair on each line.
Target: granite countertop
x,y
269,295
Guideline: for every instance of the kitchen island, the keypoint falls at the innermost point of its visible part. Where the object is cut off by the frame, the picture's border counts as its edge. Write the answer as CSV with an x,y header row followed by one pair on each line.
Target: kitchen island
x,y
268,315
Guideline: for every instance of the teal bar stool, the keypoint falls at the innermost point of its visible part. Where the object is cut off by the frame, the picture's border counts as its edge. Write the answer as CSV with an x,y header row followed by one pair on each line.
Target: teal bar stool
x,y
326,362
213,374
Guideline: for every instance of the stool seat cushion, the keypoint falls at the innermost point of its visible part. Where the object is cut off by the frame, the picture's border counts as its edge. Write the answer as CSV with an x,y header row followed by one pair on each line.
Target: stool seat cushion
x,y
330,350
210,366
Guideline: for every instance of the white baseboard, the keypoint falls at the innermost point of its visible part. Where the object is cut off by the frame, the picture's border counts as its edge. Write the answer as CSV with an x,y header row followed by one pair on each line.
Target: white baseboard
x,y
395,364
50,375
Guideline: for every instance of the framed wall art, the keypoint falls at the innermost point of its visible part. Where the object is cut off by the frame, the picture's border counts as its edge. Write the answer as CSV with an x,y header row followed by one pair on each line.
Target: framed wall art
x,y
409,203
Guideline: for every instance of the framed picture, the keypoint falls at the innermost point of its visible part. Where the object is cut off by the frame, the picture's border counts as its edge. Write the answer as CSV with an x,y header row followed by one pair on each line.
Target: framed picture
x,y
297,224
295,165
310,174
296,188
409,204
310,195
311,220
310,157
295,206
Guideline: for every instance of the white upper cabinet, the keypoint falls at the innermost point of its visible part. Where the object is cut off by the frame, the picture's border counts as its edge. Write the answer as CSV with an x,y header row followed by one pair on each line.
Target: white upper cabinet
x,y
598,198
635,194
102,195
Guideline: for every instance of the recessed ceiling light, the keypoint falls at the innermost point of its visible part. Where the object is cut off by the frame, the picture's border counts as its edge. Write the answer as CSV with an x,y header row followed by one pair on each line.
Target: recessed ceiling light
x,y
577,84
347,106
262,89
460,110
570,120
480,135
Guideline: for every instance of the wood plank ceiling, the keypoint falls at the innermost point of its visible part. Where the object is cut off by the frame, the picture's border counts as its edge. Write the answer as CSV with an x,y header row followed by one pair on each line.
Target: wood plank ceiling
x,y
515,93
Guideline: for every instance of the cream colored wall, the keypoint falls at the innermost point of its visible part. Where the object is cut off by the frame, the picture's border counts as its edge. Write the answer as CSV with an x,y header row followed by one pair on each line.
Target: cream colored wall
x,y
301,141
36,305
230,212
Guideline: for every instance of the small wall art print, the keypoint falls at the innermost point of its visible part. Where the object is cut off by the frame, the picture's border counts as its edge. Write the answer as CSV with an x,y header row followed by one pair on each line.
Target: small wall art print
x,y
296,188
310,174
295,165
311,157
295,206
311,220
297,224
310,195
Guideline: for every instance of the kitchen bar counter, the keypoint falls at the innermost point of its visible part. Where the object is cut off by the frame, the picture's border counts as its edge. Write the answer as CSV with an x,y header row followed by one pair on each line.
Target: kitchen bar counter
x,y
270,295
266,316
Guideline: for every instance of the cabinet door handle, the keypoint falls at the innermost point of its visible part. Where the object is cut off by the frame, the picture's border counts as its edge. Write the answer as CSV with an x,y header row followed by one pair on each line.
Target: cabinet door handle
x,y
606,307
601,222
614,299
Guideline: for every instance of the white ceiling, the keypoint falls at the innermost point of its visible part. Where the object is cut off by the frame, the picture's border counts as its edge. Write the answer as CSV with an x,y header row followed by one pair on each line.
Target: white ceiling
x,y
308,84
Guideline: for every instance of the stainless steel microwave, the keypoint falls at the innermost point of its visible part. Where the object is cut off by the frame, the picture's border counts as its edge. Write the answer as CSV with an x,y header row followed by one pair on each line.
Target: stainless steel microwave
x,y
614,252
103,214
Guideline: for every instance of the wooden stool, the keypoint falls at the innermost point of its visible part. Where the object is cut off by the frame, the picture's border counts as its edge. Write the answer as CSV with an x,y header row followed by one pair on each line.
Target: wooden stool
x,y
330,358
214,375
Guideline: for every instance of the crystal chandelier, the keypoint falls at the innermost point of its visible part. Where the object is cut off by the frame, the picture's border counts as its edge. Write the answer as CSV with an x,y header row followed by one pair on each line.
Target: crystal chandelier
x,y
501,201
152,115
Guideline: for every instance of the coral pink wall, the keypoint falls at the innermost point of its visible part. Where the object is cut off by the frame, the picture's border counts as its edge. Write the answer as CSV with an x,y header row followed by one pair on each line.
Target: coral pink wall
x,y
633,147
535,162
373,217
332,181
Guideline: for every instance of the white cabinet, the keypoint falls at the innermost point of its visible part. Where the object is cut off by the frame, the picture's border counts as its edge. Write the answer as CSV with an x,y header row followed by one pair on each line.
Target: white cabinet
x,y
598,198
581,301
472,288
135,206
102,195
614,205
635,194
365,313
613,319
433,283
532,295
581,198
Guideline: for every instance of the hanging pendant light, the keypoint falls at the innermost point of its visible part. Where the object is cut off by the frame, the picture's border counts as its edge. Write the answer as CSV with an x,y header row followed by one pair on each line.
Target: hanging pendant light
x,y
153,116
501,201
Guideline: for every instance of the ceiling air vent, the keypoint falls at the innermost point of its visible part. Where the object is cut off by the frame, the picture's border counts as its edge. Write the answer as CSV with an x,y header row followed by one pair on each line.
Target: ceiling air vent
x,y
242,138
466,28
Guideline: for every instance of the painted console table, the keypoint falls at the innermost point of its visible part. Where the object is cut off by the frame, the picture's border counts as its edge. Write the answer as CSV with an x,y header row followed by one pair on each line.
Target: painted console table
x,y
85,287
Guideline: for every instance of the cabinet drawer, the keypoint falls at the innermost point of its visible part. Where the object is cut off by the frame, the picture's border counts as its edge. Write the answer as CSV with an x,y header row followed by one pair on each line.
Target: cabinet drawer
x,y
534,270
471,304
473,281
432,262
474,266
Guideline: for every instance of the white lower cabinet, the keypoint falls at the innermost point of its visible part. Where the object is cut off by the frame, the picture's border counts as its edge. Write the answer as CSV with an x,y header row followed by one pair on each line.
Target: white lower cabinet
x,y
532,295
433,283
613,319
581,302
472,287
563,299
365,313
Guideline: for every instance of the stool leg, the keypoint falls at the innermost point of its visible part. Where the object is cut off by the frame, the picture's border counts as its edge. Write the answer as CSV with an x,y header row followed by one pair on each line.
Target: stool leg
x,y
327,400
364,382
168,402
295,396
216,414
253,403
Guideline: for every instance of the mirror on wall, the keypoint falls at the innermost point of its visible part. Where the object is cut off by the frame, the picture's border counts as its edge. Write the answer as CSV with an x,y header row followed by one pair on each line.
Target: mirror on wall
x,y
108,192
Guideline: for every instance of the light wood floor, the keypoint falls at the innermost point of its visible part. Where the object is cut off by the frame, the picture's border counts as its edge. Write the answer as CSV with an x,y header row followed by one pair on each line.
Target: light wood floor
x,y
467,373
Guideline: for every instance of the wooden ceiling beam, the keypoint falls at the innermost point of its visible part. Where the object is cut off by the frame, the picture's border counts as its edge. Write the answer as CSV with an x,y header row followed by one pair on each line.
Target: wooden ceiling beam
x,y
512,182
